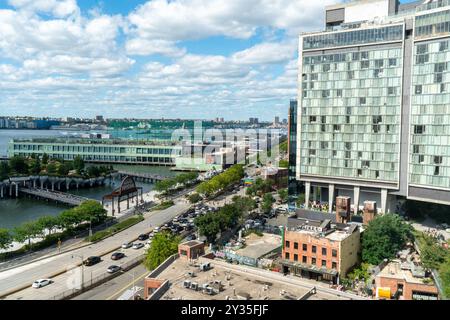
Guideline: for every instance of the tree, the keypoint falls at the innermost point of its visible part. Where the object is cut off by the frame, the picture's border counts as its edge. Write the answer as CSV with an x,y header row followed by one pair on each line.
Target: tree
x,y
46,223
283,164
208,226
163,245
51,169
35,167
444,274
93,171
68,219
18,164
5,238
194,198
78,164
268,201
384,237
91,210
431,253
4,170
27,231
283,194
64,168
45,159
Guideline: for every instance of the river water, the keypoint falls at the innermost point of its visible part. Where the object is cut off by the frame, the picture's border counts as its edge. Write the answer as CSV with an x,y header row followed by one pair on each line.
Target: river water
x,y
13,212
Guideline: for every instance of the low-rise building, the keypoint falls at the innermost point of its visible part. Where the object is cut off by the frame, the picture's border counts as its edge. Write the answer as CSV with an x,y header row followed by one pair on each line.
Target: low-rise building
x,y
405,279
319,247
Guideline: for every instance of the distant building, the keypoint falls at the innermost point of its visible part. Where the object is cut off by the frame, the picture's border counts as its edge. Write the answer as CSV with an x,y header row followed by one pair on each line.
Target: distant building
x,y
99,118
276,121
317,246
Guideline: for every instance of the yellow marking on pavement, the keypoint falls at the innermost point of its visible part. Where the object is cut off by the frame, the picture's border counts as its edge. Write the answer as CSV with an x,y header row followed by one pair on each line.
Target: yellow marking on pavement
x,y
129,284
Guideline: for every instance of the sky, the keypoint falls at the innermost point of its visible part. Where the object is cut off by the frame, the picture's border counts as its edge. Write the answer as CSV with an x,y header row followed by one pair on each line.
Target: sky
x,y
151,59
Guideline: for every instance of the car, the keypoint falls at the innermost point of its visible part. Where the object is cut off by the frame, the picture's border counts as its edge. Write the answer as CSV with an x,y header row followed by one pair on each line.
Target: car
x,y
113,269
41,283
138,245
149,242
143,237
92,260
117,255
191,237
127,245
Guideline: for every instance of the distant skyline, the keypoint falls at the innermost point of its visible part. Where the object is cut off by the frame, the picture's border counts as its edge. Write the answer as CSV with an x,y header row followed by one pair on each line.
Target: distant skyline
x,y
183,58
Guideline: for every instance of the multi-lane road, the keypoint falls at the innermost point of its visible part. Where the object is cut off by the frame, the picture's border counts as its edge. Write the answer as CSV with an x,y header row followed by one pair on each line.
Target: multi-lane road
x,y
65,270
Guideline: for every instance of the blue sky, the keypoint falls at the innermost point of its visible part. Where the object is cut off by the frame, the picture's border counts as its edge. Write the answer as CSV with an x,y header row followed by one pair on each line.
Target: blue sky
x,y
149,59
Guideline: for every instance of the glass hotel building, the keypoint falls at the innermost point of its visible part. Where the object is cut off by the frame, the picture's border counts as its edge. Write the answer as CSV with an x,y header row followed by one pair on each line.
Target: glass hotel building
x,y
374,104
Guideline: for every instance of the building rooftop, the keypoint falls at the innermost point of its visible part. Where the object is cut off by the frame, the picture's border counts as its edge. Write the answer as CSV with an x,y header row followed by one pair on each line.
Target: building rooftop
x,y
74,140
258,246
398,270
236,282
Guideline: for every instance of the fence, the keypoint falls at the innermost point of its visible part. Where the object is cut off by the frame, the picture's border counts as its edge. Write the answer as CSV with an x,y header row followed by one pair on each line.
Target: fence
x,y
96,281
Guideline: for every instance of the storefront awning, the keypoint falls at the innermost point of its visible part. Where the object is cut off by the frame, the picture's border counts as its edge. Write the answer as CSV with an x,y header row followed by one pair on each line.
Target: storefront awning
x,y
309,267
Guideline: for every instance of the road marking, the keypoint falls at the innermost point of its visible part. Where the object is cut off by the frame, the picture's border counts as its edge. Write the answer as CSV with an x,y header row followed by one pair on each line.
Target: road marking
x,y
129,284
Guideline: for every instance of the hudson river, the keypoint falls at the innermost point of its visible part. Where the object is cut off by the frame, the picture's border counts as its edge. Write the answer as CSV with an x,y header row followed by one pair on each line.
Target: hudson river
x,y
16,211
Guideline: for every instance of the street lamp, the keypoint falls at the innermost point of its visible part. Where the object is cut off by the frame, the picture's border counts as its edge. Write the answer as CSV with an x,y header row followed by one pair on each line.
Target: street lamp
x,y
82,269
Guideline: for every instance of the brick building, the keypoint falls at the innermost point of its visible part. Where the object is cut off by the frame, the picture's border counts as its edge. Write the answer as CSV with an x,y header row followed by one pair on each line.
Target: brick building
x,y
191,249
318,247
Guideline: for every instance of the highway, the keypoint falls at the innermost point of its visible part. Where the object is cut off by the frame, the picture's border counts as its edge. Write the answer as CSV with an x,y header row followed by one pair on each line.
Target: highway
x,y
114,288
63,269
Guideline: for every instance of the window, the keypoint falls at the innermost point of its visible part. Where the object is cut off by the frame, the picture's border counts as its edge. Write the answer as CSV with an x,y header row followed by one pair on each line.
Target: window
x,y
322,128
339,92
415,148
325,93
348,146
326,67
304,259
336,127
359,172
379,63
443,46
323,119
377,174
391,90
314,249
419,129
421,158
295,257
304,247
360,154
392,62
355,56
334,153
295,245
442,88
364,55
347,119
422,48
312,119
377,119
440,67
313,261
333,265
438,78
418,89
334,253
362,100
436,170
365,64
348,155
437,159
287,255
324,251
421,59
288,244
324,263
350,75
365,164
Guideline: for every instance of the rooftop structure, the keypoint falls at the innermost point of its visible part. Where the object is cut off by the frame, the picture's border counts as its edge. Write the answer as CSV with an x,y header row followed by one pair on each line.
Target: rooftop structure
x,y
179,279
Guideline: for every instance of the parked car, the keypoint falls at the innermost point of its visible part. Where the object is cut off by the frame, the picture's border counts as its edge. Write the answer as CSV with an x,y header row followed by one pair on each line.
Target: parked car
x,y
117,255
127,245
92,260
191,237
113,269
143,237
41,283
138,245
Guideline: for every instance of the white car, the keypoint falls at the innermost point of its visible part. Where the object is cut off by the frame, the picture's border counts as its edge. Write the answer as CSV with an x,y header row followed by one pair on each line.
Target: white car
x,y
138,245
127,245
41,283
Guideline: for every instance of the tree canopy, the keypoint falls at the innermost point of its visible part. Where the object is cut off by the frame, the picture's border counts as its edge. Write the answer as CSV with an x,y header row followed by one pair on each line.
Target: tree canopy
x,y
164,244
384,237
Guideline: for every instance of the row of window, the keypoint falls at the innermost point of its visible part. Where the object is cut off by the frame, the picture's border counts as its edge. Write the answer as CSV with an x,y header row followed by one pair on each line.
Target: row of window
x,y
313,248
312,261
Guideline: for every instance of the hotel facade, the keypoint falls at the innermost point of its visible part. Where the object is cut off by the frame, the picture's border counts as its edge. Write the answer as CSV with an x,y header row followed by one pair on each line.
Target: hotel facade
x,y
373,118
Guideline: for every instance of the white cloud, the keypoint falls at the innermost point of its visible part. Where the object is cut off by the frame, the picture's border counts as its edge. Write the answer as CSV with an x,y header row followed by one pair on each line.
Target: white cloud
x,y
58,8
146,47
266,53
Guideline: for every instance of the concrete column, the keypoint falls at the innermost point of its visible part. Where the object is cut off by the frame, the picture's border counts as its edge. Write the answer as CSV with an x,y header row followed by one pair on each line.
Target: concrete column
x,y
128,202
112,206
42,184
10,190
1,192
118,205
17,190
34,184
330,197
356,192
53,186
384,194
314,193
307,194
